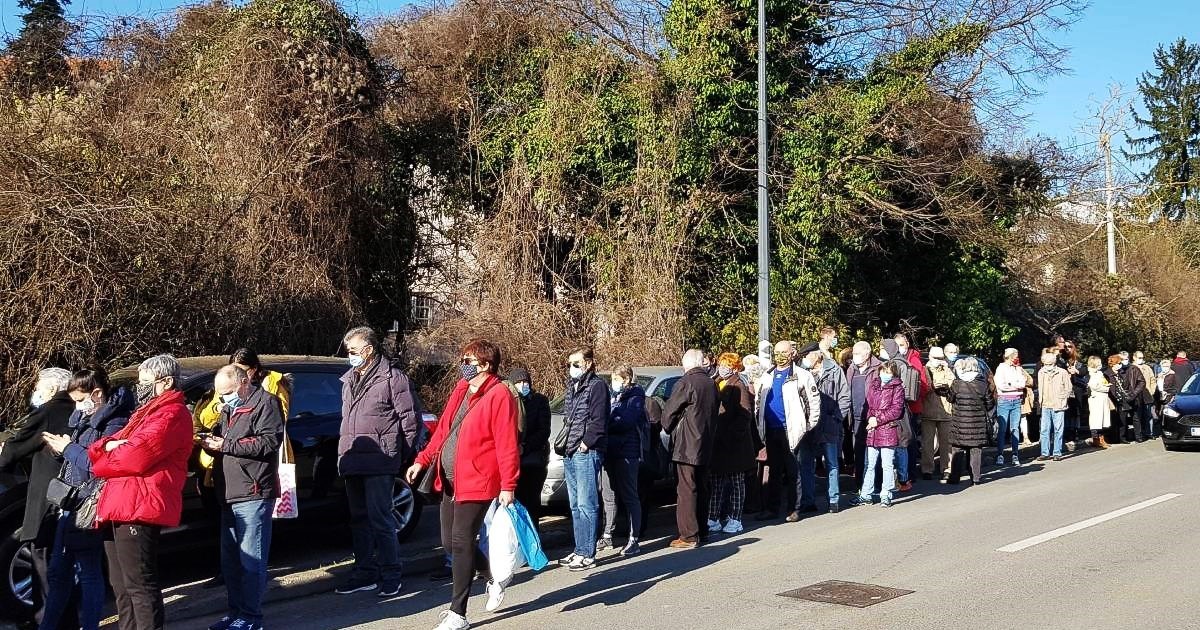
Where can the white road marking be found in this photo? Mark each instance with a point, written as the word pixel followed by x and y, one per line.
pixel 1095 520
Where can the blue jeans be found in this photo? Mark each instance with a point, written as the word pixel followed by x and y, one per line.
pixel 1055 418
pixel 81 558
pixel 809 451
pixel 902 463
pixel 245 541
pixel 582 472
pixel 1008 414
pixel 879 457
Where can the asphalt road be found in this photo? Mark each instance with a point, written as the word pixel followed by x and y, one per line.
pixel 1138 569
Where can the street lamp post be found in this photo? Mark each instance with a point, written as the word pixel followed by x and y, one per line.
pixel 764 217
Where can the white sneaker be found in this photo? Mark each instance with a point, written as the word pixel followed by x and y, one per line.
pixel 495 593
pixel 451 620
pixel 713 525
pixel 732 527
pixel 999 460
pixel 568 560
pixel 1016 461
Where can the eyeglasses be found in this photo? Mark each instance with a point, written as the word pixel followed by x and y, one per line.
pixel 579 364
pixel 470 361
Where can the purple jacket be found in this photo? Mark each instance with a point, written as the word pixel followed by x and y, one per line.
pixel 379 421
pixel 886 404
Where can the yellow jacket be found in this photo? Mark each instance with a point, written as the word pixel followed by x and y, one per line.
pixel 208 413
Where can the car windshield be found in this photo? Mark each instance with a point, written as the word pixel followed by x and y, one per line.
pixel 1192 388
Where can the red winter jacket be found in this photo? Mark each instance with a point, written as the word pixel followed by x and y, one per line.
pixel 487 460
pixel 145 476
pixel 914 361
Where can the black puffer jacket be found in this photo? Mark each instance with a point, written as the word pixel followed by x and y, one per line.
pixel 972 402
pixel 587 408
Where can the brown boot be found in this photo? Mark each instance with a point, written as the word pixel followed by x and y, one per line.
pixel 1103 442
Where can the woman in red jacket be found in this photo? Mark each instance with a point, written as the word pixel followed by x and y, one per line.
pixel 474 454
pixel 144 466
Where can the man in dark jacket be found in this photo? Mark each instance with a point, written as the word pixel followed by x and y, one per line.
pixel 690 417
pixel 1183 370
pixel 826 440
pixel 246 441
pixel 380 423
pixel 23 443
pixel 586 421
pixel 1135 383
pixel 535 442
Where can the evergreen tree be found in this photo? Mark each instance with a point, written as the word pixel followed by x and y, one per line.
pixel 39 52
pixel 1172 101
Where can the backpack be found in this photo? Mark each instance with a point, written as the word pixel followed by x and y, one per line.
pixel 910 378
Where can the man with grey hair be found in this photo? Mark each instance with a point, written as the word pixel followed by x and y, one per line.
pixel 245 441
pixel 690 417
pixel 51 410
pixel 378 437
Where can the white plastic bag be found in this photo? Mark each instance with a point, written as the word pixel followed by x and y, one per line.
pixel 288 504
pixel 501 545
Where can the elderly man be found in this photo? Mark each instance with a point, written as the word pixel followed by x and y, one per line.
pixel 690 418
pixel 378 433
pixel 51 410
pixel 787 404
pixel 246 442
pixel 826 439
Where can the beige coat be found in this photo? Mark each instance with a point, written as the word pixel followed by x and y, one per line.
pixel 937 408
pixel 1151 379
pixel 1098 403
pixel 1054 387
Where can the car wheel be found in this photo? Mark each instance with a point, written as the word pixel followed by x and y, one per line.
pixel 16 596
pixel 406 505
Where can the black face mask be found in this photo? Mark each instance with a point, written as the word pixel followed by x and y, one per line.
pixel 145 392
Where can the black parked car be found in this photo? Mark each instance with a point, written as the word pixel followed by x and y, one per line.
pixel 314 419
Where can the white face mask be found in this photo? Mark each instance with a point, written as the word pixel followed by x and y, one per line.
pixel 968 376
pixel 618 385
pixel 1139 361
pixel 859 361
pixel 576 372
pixel 86 406
pixel 903 350
pixel 38 398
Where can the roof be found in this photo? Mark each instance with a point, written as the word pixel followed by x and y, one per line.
pixel 194 366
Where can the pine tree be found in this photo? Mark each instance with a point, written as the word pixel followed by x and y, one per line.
pixel 1172 101
pixel 39 52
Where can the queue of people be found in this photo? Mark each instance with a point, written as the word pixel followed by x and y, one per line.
pixel 109 463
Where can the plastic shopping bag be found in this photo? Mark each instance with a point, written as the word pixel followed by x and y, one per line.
pixel 527 537
pixel 500 544
pixel 287 505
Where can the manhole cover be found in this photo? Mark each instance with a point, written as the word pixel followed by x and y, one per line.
pixel 846 593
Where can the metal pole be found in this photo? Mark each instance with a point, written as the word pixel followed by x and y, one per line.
pixel 1106 144
pixel 764 217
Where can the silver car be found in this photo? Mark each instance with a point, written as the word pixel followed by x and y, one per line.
pixel 658 381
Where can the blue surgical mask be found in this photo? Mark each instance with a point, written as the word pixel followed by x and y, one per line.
pixel 231 400
pixel 355 361
pixel 833 342
pixel 523 389
pixel 951 358
pixel 885 378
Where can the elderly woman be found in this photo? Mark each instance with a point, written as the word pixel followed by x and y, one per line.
pixel 735 447
pixel 1098 402
pixel 474 455
pixel 144 466
pixel 971 397
pixel 78 553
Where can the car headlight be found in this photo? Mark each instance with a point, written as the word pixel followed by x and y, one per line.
pixel 1170 412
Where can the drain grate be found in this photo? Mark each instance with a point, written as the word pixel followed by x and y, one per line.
pixel 846 593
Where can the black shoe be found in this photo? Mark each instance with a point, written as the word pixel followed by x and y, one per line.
pixel 356 585
pixel 440 574
pixel 808 509
pixel 389 589
pixel 927 476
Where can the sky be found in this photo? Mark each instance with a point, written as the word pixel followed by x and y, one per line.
pixel 1114 42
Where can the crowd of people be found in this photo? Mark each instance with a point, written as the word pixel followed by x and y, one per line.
pixel 742 434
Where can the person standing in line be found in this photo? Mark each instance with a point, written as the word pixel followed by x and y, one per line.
pixel 475 458
pixel 735 447
pixel 1099 403
pixel 1010 388
pixel 535 443
pixel 586 409
pixel 864 369
pixel 825 440
pixel 380 424
pixel 1077 411
pixel 885 408
pixel 1167 388
pixel 51 409
pixel 1054 389
pixel 1144 406
pixel 690 417
pixel 938 417
pixel 144 466
pixel 971 396
pixel 246 442
pixel 787 405
pixel 912 359
pixel 78 554
pixel 1118 393
pixel 628 437
pixel 1183 369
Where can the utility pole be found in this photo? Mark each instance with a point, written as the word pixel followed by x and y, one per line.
pixel 1106 146
pixel 764 215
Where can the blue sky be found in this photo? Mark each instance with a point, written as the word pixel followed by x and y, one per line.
pixel 1114 42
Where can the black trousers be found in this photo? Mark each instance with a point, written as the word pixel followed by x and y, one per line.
pixel 963 457
pixel 133 572
pixel 460 524
pixel 691 508
pixel 529 491
pixel 781 478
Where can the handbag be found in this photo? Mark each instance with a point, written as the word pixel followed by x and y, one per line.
pixel 61 494
pixel 85 514
pixel 288 504
pixel 424 486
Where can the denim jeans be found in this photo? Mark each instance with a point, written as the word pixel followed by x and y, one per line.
pixel 1055 418
pixel 373 528
pixel 82 558
pixel 879 457
pixel 582 472
pixel 809 451
pixel 902 463
pixel 1008 414
pixel 245 543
